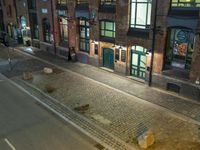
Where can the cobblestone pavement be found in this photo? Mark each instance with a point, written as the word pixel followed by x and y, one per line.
pixel 171 102
pixel 122 115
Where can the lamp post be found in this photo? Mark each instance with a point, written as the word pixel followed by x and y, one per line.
pixel 153 43
pixel 53 26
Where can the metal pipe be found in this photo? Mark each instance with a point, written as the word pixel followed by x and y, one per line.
pixel 53 26
pixel 153 43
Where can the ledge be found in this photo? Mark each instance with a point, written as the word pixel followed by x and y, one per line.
pixel 140 33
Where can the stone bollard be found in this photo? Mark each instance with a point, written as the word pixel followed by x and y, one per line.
pixel 48 70
pixel 27 76
pixel 146 139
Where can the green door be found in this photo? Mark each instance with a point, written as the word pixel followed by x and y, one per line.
pixel 108 58
pixel 138 64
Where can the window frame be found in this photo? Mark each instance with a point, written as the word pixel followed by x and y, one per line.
pixel 86 39
pixel 108 30
pixel 184 4
pixel 139 26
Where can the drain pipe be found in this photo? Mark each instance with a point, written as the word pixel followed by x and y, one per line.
pixel 153 44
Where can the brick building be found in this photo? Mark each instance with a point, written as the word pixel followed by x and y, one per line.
pixel 118 35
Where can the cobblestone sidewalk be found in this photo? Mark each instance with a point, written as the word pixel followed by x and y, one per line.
pixel 171 102
pixel 123 116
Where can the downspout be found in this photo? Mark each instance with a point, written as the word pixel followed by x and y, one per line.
pixel 153 44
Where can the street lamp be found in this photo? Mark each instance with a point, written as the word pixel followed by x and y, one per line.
pixel 153 43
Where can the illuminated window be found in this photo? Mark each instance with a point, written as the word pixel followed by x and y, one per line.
pixel 185 3
pixel 180 48
pixel 61 2
pixel 84 35
pixel 108 29
pixel 108 2
pixel 140 13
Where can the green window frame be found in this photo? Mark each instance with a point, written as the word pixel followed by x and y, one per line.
pixel 84 35
pixel 185 3
pixel 107 29
pixel 46 30
pixel 140 16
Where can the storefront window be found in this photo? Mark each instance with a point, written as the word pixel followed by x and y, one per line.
pixel 180 49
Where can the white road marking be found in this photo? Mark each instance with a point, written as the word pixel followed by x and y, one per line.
pixel 9 144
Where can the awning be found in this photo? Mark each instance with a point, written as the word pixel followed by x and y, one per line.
pixel 190 23
pixel 82 14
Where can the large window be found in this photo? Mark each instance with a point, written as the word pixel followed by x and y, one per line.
pixel 180 48
pixel 31 4
pixel 108 2
pixel 185 3
pixel 107 29
pixel 61 2
pixel 140 13
pixel 34 25
pixel 46 30
pixel 82 2
pixel 84 35
pixel 63 30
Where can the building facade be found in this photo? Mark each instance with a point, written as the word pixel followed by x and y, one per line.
pixel 120 35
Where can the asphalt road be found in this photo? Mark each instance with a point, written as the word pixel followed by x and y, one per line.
pixel 25 125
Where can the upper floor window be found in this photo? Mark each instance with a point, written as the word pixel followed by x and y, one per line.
pixel 61 2
pixel 140 14
pixel 31 4
pixel 108 2
pixel 82 2
pixel 9 11
pixel 107 29
pixel 46 30
pixel 185 3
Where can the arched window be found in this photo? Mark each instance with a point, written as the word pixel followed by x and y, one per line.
pixel 138 61
pixel 46 30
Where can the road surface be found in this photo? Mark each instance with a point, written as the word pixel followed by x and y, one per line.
pixel 25 125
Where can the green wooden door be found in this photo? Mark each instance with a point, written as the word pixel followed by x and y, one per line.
pixel 108 58
pixel 138 64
